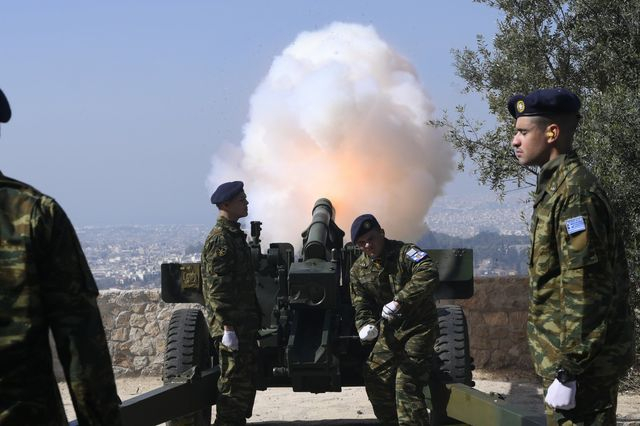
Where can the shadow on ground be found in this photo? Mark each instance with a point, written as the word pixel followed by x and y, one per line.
pixel 345 422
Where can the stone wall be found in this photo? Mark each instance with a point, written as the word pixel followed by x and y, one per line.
pixel 136 323
pixel 497 320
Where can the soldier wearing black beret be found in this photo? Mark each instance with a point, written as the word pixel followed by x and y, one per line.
pixel 46 286
pixel 229 290
pixel 580 327
pixel 394 282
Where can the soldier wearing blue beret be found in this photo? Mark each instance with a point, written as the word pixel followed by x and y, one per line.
pixel 229 290
pixel 46 286
pixel 226 192
pixel 580 327
pixel 363 224
pixel 545 102
pixel 394 281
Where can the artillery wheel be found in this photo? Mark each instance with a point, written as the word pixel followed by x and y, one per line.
pixel 187 346
pixel 453 361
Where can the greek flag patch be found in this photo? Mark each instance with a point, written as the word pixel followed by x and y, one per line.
pixel 575 224
pixel 416 255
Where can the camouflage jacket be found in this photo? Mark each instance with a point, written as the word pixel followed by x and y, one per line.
pixel 401 274
pixel 229 284
pixel 46 284
pixel 579 314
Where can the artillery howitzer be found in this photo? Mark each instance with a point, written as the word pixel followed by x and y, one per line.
pixel 308 339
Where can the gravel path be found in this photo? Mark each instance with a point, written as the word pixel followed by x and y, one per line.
pixel 281 406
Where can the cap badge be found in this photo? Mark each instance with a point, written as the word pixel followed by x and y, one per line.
pixel 520 106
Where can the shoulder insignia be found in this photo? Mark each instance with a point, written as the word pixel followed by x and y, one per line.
pixel 575 224
pixel 415 254
pixel 221 251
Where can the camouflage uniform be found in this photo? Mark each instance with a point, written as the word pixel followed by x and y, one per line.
pixel 230 296
pixel 46 284
pixel 579 314
pixel 399 365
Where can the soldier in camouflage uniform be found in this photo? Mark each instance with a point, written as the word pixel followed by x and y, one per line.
pixel 580 324
pixel 230 296
pixel 392 286
pixel 46 284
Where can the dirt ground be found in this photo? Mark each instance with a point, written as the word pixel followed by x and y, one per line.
pixel 281 406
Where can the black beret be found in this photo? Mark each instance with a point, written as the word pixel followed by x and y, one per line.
pixel 363 224
pixel 546 102
pixel 226 191
pixel 5 109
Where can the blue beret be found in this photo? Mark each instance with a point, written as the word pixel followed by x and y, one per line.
pixel 5 109
pixel 363 224
pixel 226 191
pixel 546 102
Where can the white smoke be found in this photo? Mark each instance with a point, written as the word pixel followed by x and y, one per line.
pixel 340 115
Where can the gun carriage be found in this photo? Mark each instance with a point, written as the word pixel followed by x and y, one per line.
pixel 308 340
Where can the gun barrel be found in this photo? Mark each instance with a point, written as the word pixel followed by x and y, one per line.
pixel 322 214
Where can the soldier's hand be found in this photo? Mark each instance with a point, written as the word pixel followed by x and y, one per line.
pixel 562 396
pixel 230 340
pixel 368 332
pixel 390 310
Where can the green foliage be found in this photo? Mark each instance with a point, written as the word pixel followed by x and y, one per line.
pixel 591 47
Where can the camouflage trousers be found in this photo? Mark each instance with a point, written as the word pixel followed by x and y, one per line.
pixel 596 403
pixel 395 375
pixel 236 385
pixel 25 404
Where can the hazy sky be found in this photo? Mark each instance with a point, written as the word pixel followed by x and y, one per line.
pixel 120 106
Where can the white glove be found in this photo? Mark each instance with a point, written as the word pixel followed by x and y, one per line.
pixel 368 332
pixel 230 340
pixel 561 396
pixel 390 310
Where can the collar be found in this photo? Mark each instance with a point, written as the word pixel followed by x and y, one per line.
pixel 553 174
pixel 231 225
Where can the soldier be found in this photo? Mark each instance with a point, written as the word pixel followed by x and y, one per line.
pixel 46 284
pixel 230 296
pixel 580 326
pixel 395 282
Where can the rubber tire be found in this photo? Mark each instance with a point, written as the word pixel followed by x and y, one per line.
pixel 188 345
pixel 452 359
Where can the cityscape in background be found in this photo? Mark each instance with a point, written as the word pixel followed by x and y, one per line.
pixel 129 256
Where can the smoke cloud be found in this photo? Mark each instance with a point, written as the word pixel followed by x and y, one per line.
pixel 340 115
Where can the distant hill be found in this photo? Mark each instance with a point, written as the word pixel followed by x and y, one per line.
pixel 493 253
pixel 130 256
